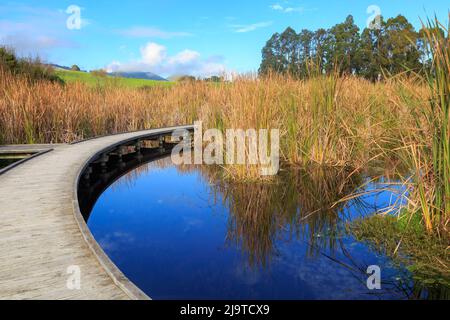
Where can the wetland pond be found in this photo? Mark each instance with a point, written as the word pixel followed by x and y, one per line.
pixel 180 232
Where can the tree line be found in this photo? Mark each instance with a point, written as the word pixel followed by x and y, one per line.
pixel 392 48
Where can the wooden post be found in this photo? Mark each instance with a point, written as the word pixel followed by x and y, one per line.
pixel 138 146
pixel 162 147
pixel 104 161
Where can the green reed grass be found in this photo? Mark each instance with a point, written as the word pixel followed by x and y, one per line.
pixel 428 144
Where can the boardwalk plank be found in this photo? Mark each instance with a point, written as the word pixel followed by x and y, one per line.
pixel 39 235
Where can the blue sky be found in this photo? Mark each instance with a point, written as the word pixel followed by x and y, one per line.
pixel 177 37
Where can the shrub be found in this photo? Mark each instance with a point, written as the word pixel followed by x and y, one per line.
pixel 99 73
pixel 32 69
pixel 187 79
pixel 8 59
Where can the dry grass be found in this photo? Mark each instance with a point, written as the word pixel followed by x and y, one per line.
pixel 325 121
pixel 426 145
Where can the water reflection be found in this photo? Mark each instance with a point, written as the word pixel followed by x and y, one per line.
pixel 299 203
pixel 184 232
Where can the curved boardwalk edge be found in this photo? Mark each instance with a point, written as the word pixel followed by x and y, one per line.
pixel 35 152
pixel 42 230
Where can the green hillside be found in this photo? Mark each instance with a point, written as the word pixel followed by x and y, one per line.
pixel 93 80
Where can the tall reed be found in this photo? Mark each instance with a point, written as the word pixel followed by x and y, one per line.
pixel 439 81
pixel 327 120
pixel 427 145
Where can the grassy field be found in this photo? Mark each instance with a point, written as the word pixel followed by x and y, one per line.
pixel 93 80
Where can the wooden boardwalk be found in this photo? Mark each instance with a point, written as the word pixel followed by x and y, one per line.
pixel 26 148
pixel 41 232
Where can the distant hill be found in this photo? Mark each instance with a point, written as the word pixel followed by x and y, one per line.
pixel 93 80
pixel 59 67
pixel 138 75
pixel 129 75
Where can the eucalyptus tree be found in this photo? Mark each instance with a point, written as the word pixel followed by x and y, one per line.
pixel 393 47
pixel 343 45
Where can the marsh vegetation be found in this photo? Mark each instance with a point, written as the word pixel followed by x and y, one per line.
pixel 330 119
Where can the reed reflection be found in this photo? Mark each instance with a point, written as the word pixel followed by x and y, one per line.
pixel 297 205
pixel 296 217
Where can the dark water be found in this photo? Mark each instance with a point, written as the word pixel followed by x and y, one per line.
pixel 183 233
pixel 6 162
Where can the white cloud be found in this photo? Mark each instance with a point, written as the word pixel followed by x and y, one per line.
pixel 185 57
pixel 278 7
pixel 28 40
pixel 153 54
pixel 154 58
pixel 150 32
pixel 239 28
pixel 35 31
